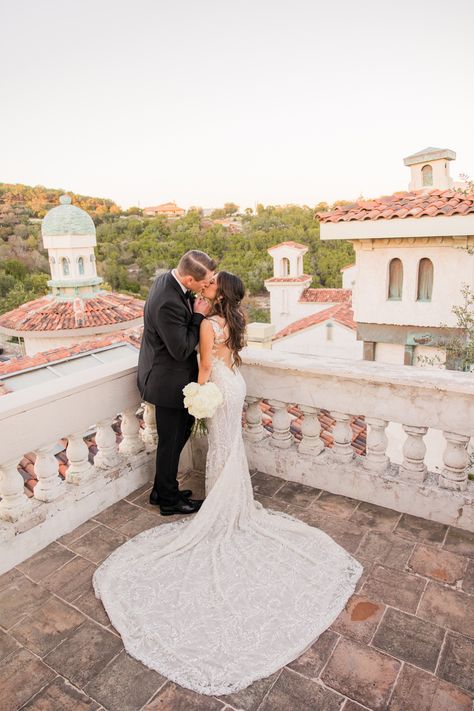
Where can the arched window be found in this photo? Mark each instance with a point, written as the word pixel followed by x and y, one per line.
pixel 329 331
pixel 427 174
pixel 425 280
pixel 80 265
pixel 285 267
pixel 65 266
pixel 395 279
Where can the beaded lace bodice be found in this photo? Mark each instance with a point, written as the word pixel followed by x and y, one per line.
pixel 219 349
pixel 219 600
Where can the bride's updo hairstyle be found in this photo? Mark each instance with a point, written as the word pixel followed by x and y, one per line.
pixel 229 294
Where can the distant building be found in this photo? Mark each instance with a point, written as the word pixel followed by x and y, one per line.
pixel 412 259
pixel 77 309
pixel 307 320
pixel 167 209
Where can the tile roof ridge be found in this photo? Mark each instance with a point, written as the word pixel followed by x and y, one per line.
pixel 343 309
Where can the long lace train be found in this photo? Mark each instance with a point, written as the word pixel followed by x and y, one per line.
pixel 229 596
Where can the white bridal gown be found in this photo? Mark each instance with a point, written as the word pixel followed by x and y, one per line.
pixel 233 593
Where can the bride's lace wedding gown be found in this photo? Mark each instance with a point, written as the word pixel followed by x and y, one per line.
pixel 219 600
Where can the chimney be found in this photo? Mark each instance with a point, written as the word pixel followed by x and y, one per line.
pixel 79 315
pixel 430 169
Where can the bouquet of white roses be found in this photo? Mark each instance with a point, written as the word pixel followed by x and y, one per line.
pixel 201 401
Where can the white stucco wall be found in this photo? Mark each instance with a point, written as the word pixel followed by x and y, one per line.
pixel 452 266
pixel 72 255
pixel 441 178
pixel 284 306
pixel 313 341
pixel 349 277
pixel 38 345
pixel 436 356
pixel 392 353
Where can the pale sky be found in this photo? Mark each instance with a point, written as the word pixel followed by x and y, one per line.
pixel 207 101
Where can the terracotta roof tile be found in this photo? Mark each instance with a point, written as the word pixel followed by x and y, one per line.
pixel 16 365
pixel 342 313
pixel 326 296
pixel 418 203
pixel 50 314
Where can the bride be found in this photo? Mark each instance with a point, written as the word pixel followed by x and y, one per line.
pixel 236 592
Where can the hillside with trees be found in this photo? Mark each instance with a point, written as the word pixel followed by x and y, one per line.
pixel 131 248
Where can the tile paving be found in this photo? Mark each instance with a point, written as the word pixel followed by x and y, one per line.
pixel 405 641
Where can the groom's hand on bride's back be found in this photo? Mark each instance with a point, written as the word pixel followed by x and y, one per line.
pixel 201 306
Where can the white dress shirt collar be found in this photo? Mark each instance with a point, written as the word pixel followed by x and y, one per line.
pixel 173 272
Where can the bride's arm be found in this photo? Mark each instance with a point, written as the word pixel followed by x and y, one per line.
pixel 206 342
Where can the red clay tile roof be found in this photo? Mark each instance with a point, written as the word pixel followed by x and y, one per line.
pixel 418 203
pixel 326 296
pixel 50 314
pixel 297 245
pixel 289 280
pixel 16 365
pixel 342 313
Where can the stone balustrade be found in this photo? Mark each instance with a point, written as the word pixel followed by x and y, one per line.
pixel 418 402
pixel 35 419
pixel 412 399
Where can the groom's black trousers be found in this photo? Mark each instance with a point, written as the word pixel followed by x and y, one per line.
pixel 174 427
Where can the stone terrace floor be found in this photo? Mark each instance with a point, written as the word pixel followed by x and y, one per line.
pixel 404 642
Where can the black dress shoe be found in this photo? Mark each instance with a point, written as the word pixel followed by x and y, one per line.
pixel 155 499
pixel 183 506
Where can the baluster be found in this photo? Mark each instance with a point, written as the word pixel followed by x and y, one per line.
pixel 413 467
pixel 14 503
pixel 311 442
pixel 131 442
pixel 281 436
pixel 49 485
pixel 80 469
pixel 254 431
pixel 376 459
pixel 456 460
pixel 342 433
pixel 107 456
pixel 149 433
pixel 470 454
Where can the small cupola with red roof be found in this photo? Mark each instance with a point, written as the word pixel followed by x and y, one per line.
pixel 430 169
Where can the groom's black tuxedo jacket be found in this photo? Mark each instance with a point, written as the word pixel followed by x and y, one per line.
pixel 168 358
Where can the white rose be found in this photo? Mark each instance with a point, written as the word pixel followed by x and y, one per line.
pixel 191 389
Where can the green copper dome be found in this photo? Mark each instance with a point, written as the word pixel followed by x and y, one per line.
pixel 67 219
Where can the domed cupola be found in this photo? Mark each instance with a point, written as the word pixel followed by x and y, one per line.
pixel 67 219
pixel 69 236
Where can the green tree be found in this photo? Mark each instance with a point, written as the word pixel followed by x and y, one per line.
pixel 230 208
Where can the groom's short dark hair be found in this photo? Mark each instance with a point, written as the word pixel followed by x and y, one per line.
pixel 196 264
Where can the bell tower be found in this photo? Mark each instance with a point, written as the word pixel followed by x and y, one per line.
pixel 288 281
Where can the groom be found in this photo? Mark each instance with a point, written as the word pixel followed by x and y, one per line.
pixel 168 362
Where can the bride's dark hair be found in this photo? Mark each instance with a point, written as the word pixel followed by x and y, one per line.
pixel 229 294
